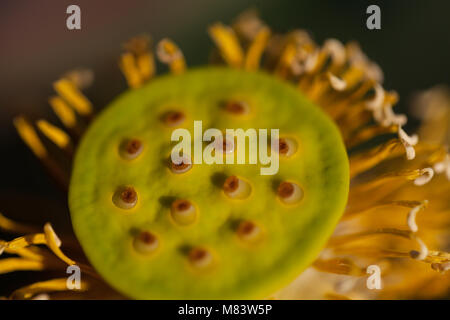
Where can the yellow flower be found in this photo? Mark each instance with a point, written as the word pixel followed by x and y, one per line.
pixel 398 210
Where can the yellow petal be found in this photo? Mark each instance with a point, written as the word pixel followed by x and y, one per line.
pixel 228 44
pixel 55 134
pixel 168 52
pixel 69 92
pixel 19 264
pixel 256 49
pixel 29 136
pixel 130 70
pixel 53 285
pixel 53 243
pixel 63 111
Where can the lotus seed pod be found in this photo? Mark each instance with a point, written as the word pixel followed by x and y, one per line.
pixel 227 230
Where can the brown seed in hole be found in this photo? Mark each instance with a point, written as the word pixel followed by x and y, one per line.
pixel 285 190
pixel 236 107
pixel 226 147
pixel 231 184
pixel 146 242
pixel 200 257
pixel 287 147
pixel 133 146
pixel 181 205
pixel 147 237
pixel 183 212
pixel 125 197
pixel 173 118
pixel 248 231
pixel 246 227
pixel 283 146
pixel 181 167
pixel 130 149
pixel 290 192
pixel 128 195
pixel 236 188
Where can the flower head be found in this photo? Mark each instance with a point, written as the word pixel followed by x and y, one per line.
pixel 396 215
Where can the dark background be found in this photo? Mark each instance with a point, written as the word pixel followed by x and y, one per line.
pixel 413 49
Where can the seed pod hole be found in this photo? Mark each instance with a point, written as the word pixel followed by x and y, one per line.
pixel 173 118
pixel 225 145
pixel 248 231
pixel 130 149
pixel 237 107
pixel 183 166
pixel 125 197
pixel 289 192
pixel 287 147
pixel 236 188
pixel 146 242
pixel 183 212
pixel 200 258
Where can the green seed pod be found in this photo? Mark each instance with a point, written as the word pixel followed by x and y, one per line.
pixel 228 244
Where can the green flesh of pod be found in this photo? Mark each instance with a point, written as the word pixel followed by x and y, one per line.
pixel 292 235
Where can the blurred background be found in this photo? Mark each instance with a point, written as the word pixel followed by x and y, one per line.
pixel 412 48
